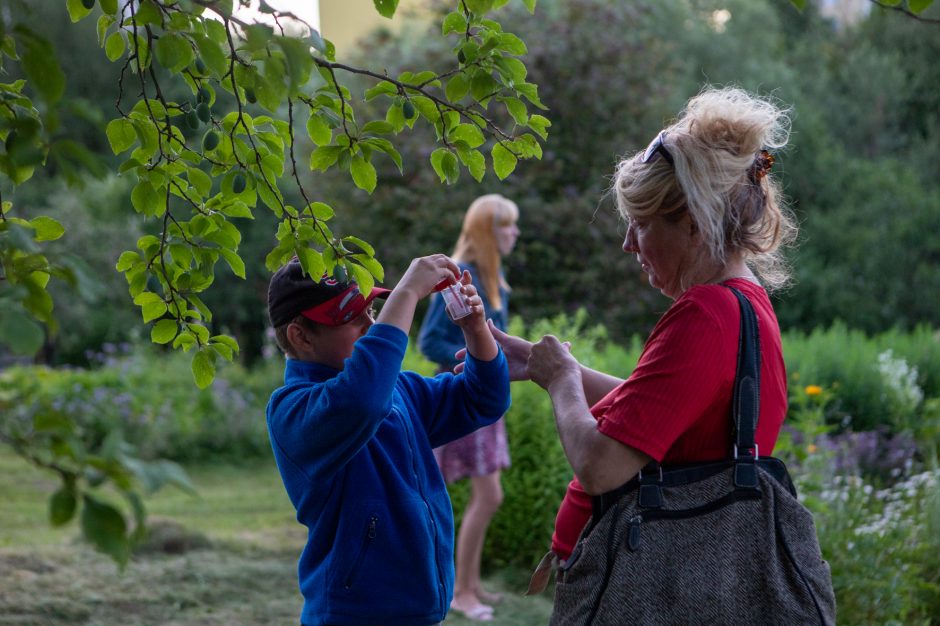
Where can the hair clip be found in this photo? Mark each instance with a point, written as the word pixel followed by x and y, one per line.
pixel 762 164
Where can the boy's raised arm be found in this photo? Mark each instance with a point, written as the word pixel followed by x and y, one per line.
pixel 419 280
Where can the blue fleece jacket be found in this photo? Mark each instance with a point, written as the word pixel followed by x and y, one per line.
pixel 354 450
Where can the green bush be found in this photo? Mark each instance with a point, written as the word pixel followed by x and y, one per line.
pixel 867 395
pixel 149 396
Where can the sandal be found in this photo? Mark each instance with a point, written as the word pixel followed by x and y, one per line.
pixel 476 613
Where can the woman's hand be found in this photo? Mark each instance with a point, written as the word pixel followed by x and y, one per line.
pixel 549 360
pixel 515 348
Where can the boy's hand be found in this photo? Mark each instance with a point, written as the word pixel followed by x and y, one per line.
pixel 419 280
pixel 480 342
pixel 427 272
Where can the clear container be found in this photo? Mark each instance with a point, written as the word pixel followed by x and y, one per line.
pixel 454 302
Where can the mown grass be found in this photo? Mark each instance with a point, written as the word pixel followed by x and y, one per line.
pixel 224 557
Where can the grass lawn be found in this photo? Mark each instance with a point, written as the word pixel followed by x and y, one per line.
pixel 226 557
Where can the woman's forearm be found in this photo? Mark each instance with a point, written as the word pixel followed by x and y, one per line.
pixel 597 384
pixel 600 462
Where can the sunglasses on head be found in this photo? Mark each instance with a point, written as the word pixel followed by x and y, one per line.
pixel 657 147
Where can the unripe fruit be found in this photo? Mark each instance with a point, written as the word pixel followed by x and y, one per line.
pixel 203 95
pixel 192 120
pixel 461 57
pixel 250 96
pixel 210 141
pixel 408 110
pixel 88 4
pixel 238 184
pixel 203 112
pixel 339 273
pixel 200 66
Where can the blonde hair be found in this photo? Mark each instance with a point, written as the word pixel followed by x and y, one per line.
pixel 477 242
pixel 715 144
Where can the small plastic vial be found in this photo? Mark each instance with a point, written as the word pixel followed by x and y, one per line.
pixel 454 302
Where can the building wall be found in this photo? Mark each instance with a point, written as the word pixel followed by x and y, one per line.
pixel 345 21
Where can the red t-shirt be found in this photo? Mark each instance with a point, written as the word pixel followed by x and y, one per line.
pixel 676 405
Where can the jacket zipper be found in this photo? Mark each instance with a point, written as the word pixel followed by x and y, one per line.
pixel 367 542
pixel 412 444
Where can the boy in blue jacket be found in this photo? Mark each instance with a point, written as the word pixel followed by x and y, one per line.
pixel 352 435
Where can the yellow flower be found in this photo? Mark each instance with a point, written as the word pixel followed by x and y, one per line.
pixel 813 390
pixel 811 448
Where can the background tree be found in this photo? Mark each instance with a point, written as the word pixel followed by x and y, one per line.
pixel 209 108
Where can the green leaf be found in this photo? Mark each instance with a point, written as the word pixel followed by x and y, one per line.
pixel 311 261
pixel 77 10
pixel 320 210
pixel 363 173
pixel 63 504
pixel 383 88
pixel 104 527
pixel 799 4
pixel 378 127
pixel 457 87
pixel 145 199
pixel 386 8
pixel 47 229
pixel 363 278
pixel 529 4
pixel 164 331
pixel 20 333
pixel 454 22
pixel 504 161
pixel 114 46
pixel 479 7
pixel 173 52
pixel 234 261
pixel 318 130
pixel 530 92
pixel 362 245
pixel 126 261
pixel 200 180
pixel 324 157
pixel 121 135
pixel 203 368
pixel 475 162
pixel 444 163
pixel 539 124
pixel 469 133
pixel 153 310
pixel 211 53
pixel 511 44
pixel 437 162
pixel 918 6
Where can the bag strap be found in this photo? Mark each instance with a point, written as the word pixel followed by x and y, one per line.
pixel 745 410
pixel 745 403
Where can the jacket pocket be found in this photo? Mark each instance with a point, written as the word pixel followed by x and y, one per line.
pixel 367 541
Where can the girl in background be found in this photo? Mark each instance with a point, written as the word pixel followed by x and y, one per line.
pixel 489 233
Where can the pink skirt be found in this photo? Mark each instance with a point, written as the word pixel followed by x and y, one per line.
pixel 482 452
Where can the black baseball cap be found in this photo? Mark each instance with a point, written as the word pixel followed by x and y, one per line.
pixel 327 301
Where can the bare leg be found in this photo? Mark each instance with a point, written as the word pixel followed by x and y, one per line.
pixel 486 495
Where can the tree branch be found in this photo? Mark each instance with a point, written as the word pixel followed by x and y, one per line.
pixel 902 8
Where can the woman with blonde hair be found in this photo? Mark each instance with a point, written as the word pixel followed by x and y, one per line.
pixel 645 534
pixel 489 233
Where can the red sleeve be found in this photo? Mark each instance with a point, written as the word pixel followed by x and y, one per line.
pixel 683 370
pixel 573 515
